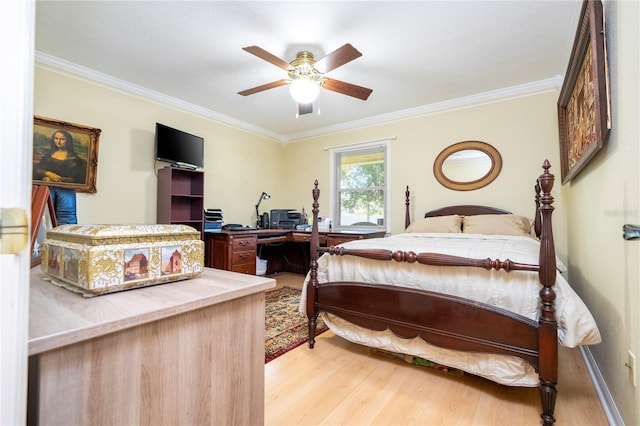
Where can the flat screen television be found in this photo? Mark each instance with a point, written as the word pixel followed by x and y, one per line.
pixel 179 148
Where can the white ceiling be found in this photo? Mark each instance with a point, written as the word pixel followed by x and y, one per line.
pixel 416 55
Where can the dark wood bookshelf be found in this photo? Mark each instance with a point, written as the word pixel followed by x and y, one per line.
pixel 181 197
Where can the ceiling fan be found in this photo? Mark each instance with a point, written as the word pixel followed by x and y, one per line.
pixel 307 76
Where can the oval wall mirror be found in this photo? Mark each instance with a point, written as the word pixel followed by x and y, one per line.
pixel 467 165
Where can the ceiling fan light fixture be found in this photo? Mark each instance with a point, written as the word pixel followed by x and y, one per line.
pixel 305 80
pixel 304 90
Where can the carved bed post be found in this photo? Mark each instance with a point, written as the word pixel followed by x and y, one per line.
pixel 537 221
pixel 312 314
pixel 407 216
pixel 548 335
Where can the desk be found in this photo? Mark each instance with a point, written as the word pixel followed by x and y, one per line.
pixel 284 249
pixel 188 352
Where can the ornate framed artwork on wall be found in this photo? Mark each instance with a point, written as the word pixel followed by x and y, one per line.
pixel 584 116
pixel 65 154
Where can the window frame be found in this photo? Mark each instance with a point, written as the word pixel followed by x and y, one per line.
pixel 334 191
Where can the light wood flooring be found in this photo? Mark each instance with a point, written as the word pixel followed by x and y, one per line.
pixel 339 382
pixel 287 279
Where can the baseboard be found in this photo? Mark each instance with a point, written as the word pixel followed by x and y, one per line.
pixel 608 404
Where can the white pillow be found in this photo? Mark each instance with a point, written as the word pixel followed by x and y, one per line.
pixel 496 224
pixel 437 224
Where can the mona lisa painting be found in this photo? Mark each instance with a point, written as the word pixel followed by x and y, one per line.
pixel 65 154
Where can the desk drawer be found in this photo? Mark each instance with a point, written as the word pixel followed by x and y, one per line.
pixel 245 268
pixel 335 240
pixel 239 257
pixel 244 243
pixel 300 237
pixel 305 237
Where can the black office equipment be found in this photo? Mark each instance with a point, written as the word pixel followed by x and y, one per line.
pixel 237 227
pixel 285 218
pixel 264 222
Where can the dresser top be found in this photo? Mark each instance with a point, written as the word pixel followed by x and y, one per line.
pixel 60 317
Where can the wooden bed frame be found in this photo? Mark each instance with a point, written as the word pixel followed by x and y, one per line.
pixel 448 321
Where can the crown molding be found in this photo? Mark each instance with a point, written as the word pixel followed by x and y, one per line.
pixel 70 69
pixel 527 89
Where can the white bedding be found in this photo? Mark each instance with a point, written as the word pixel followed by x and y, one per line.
pixel 516 291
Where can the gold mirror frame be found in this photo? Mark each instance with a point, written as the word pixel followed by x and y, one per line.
pixel 494 171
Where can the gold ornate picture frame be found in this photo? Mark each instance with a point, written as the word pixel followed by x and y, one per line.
pixel 65 154
pixel 584 117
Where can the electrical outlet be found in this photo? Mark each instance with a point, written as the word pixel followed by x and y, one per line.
pixel 631 365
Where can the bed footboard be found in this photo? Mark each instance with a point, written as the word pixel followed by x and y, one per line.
pixel 448 321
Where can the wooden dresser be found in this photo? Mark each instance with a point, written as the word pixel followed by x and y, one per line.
pixel 284 249
pixel 187 352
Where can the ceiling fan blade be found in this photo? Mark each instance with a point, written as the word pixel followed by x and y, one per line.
pixel 337 58
pixel 267 86
pixel 263 54
pixel 305 108
pixel 347 88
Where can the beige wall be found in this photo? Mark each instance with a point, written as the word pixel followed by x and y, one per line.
pixel 604 269
pixel 239 165
pixel 523 130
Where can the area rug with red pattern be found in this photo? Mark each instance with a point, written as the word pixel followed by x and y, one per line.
pixel 285 327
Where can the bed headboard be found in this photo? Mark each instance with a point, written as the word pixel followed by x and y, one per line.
pixel 465 210
pixel 462 210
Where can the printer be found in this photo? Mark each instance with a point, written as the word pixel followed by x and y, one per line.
pixel 285 219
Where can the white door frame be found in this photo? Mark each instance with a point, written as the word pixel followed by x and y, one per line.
pixel 17 31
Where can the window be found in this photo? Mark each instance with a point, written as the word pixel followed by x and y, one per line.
pixel 359 186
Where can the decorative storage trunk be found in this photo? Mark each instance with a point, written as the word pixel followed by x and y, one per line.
pixel 105 258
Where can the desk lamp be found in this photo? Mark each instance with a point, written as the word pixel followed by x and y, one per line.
pixel 263 196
